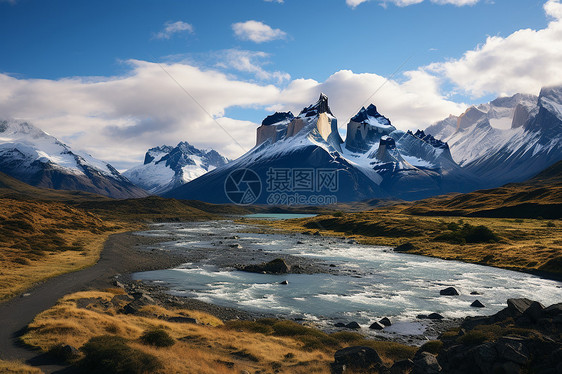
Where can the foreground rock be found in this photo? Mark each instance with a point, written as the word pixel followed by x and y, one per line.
pixel 524 337
pixel 277 266
pixel 355 359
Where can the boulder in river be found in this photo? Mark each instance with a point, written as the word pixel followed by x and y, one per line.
pixel 385 322
pixel 477 304
pixel 277 266
pixel 449 291
pixel 353 325
pixel 376 326
pixel 285 282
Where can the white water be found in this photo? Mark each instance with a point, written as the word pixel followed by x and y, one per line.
pixel 374 281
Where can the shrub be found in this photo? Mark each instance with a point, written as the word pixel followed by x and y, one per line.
pixel 158 338
pixel 432 346
pixel 347 336
pixel 111 355
pixel 337 214
pixel 468 234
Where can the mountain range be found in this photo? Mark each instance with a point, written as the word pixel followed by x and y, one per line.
pixel 299 160
pixel 303 160
pixel 39 159
pixel 507 140
pixel 166 167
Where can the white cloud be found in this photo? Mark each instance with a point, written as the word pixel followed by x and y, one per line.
pixel 275 1
pixel 403 3
pixel 553 8
pixel 257 32
pixel 252 62
pixel 118 118
pixel 171 28
pixel 524 61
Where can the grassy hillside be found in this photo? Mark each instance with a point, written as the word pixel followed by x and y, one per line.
pixel 44 233
pixel 210 346
pixel 538 197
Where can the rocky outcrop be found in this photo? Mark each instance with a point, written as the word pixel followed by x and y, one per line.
pixel 356 358
pixel 524 337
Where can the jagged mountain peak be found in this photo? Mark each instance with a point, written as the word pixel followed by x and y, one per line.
pixel 321 106
pixel 277 117
pixel 365 115
pixel 166 167
pixel 39 159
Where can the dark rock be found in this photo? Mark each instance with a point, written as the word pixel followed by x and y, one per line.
pixel 277 266
pixel 339 324
pixel 353 325
pixel 475 293
pixel 477 304
pixel 534 312
pixel 238 246
pixel 426 363
pixel 355 358
pixel 317 233
pixel 332 265
pixel 449 291
pixel 376 326
pixel 553 310
pixel 402 367
pixel 299 242
pixel 519 305
pixel 385 322
pixel 285 282
pixel 136 305
pixel 421 316
pixel 435 316
pixel 352 242
pixel 512 349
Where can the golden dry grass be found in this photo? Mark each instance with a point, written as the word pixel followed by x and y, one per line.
pixel 207 347
pixel 40 240
pixel 15 367
pixel 525 244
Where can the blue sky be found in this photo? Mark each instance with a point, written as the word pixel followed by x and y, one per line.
pixel 270 55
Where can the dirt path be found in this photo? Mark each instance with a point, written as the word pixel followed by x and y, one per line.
pixel 119 256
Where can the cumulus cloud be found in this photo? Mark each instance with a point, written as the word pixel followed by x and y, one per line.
pixel 172 28
pixel 257 32
pixel 275 1
pixel 524 61
pixel 118 118
pixel 403 3
pixel 252 62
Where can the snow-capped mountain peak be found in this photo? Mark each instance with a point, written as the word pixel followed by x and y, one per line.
pixel 37 158
pixel 166 167
pixel 508 139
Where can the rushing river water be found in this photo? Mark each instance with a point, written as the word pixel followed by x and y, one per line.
pixel 373 281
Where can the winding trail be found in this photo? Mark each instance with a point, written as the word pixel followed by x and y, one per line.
pixel 118 257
